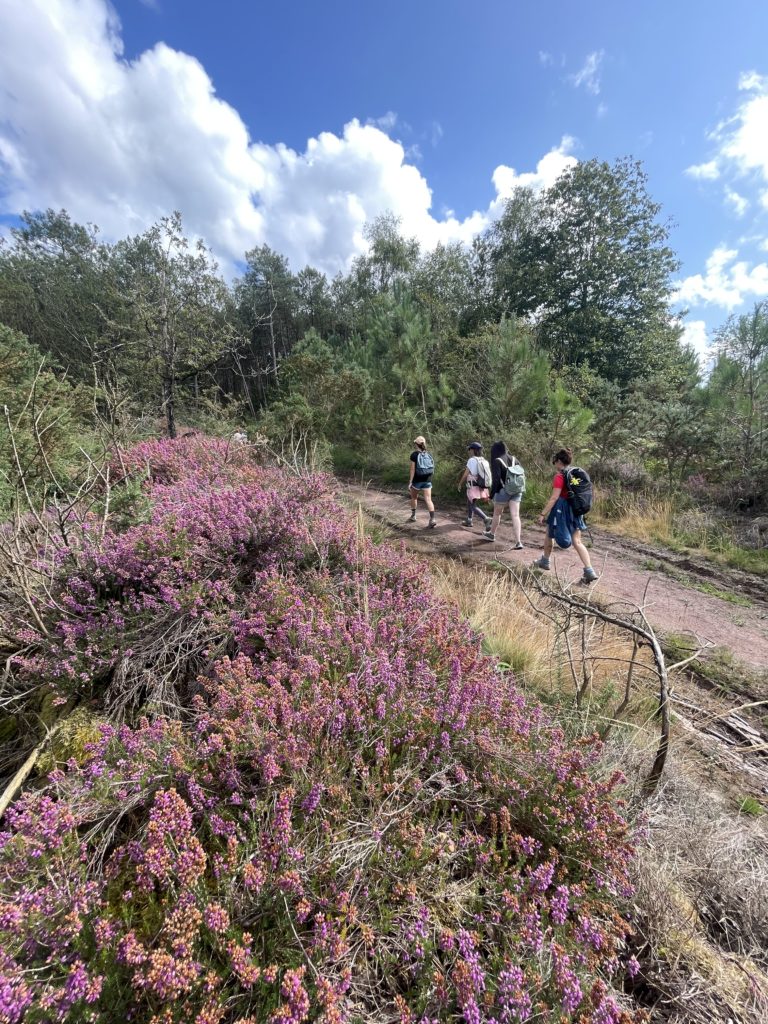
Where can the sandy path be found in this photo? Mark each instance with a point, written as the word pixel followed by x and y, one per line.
pixel 671 606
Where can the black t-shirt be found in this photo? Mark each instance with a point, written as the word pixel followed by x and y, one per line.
pixel 419 478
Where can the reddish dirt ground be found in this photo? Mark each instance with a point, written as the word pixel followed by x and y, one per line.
pixel 671 606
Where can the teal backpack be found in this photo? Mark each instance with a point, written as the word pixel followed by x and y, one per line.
pixel 514 478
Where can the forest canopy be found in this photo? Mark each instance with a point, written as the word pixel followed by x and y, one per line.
pixel 554 325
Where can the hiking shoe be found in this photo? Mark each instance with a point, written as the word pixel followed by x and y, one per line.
pixel 518 547
pixel 411 518
pixel 467 524
pixel 589 576
pixel 431 524
pixel 489 536
pixel 541 563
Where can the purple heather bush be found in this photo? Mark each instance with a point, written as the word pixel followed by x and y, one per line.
pixel 351 815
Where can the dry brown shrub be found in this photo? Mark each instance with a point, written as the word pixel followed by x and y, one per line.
pixel 702 908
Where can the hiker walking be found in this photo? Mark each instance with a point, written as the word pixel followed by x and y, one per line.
pixel 564 522
pixel 507 489
pixel 477 476
pixel 422 467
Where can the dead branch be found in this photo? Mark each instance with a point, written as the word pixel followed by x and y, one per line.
pixel 643 635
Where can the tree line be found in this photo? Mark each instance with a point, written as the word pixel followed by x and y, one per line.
pixel 554 324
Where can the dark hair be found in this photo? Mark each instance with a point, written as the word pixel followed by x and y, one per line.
pixel 498 449
pixel 423 448
pixel 564 455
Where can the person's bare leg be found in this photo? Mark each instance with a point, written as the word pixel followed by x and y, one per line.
pixel 580 549
pixel 427 496
pixel 543 562
pixel 514 512
pixel 497 510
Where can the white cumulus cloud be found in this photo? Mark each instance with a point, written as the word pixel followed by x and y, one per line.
pixel 695 335
pixel 727 282
pixel 741 141
pixel 738 160
pixel 745 138
pixel 548 170
pixel 122 143
pixel 737 202
pixel 709 170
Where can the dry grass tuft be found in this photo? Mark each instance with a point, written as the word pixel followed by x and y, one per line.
pixel 702 902
pixel 494 605
pixel 644 519
pixel 543 658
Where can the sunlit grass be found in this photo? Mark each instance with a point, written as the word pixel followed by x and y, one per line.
pixel 543 659
pixel 695 530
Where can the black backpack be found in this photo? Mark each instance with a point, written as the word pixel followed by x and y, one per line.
pixel 579 490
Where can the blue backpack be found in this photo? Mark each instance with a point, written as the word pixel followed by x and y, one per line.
pixel 425 464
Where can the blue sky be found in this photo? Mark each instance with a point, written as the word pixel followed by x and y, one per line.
pixel 295 123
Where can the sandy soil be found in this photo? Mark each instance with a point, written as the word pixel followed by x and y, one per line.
pixel 671 606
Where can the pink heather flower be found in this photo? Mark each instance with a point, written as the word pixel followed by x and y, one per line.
pixel 15 995
pixel 558 904
pixel 216 918
pixel 295 1008
pixel 312 799
pixel 326 705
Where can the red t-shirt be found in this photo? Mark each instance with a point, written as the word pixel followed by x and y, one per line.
pixel 559 481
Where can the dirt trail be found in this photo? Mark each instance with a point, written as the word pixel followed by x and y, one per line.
pixel 671 606
pixel 729 740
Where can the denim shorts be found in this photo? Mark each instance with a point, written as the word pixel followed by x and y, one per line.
pixel 422 485
pixel 502 498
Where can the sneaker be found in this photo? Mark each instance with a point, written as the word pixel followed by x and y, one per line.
pixel 411 518
pixel 489 536
pixel 541 563
pixel 467 524
pixel 431 524
pixel 518 547
pixel 488 527
pixel 589 576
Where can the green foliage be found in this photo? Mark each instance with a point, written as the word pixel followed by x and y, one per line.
pixel 54 284
pixel 737 393
pixel 606 271
pixel 752 807
pixel 552 328
pixel 42 423
pixel 321 395
pixel 175 309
